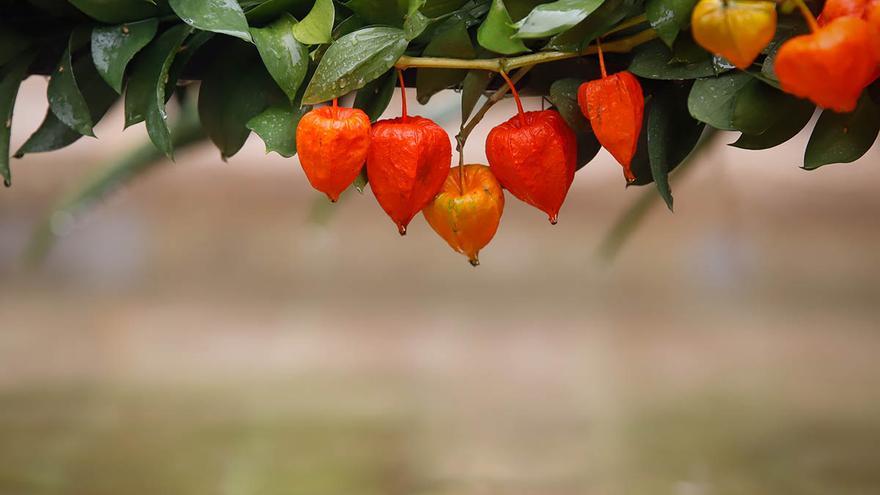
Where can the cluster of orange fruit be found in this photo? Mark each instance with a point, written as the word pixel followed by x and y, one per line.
pixel 533 155
pixel 830 66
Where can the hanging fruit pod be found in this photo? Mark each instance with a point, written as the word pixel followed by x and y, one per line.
pixel 533 155
pixel 615 107
pixel 841 8
pixel 738 30
pixel 332 144
pixel 467 211
pixel 830 66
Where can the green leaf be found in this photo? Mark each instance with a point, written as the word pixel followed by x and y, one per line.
pixel 555 17
pixel 415 22
pixel 219 16
pixel 374 98
pixel 652 61
pixel 149 71
pixel 114 46
pixel 54 134
pixel 781 130
pixel 11 76
pixel 317 27
pixel 472 88
pixel 600 21
pixel 454 42
pixel 563 95
pixel 11 44
pixel 286 58
pixel 668 17
pixel 383 12
pixel 65 98
pixel 496 32
pixel 672 135
pixel 843 137
pixel 713 100
pixel 276 126
pixel 759 107
pixel 361 181
pixel 116 11
pixel 271 9
pixel 353 61
pixel 235 90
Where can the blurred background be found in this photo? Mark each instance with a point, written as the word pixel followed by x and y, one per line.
pixel 218 328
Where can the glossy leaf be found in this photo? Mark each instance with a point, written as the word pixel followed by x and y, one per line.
pixel 286 58
pixel 374 98
pixel 780 131
pixel 116 11
pixel 496 33
pixel 453 42
pixel 353 61
pixel 219 16
pixel 600 21
pixel 843 137
pixel 113 47
pixel 415 22
pixel 148 72
pixel 473 86
pixel 11 76
pixel 563 95
pixel 276 126
pixel 760 106
pixel 672 135
pixel 713 100
pixel 232 93
pixel 668 17
pixel 552 18
pixel 652 61
pixel 270 10
pixel 65 98
pixel 317 25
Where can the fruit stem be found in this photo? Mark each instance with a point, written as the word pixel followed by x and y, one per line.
pixel 808 15
pixel 519 107
pixel 402 95
pixel 601 58
pixel 335 103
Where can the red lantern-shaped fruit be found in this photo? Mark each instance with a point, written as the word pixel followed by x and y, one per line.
pixel 408 161
pixel 534 155
pixel 332 144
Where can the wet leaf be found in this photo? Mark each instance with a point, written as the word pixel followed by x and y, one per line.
pixel 843 137
pixel 116 11
pixel 759 107
pixel 270 10
pixel 383 12
pixel 219 16
pixel 113 47
pixel 286 58
pixel 276 126
pixel 653 61
pixel 497 31
pixel 415 22
pixel 713 100
pixel 317 25
pixel 552 18
pixel 668 17
pixel 781 130
pixel 11 76
pixel 374 98
pixel 353 61
pixel 65 98
pixel 600 21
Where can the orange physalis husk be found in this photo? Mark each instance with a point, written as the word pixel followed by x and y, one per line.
pixel 841 8
pixel 738 30
pixel 468 209
pixel 830 66
pixel 615 107
pixel 332 144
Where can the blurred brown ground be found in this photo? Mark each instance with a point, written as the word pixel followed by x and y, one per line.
pixel 208 330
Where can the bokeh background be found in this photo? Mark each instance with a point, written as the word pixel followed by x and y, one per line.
pixel 216 328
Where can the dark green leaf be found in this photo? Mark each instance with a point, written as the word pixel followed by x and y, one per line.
pixel 277 127
pixel 286 58
pixel 784 128
pixel 383 12
pixel 271 9
pixel 555 17
pixel 672 135
pixel 65 98
pixel 149 71
pixel 473 86
pixel 11 76
pixel 652 61
pixel 353 61
pixel 843 137
pixel 235 90
pixel 606 16
pixel 760 107
pixel 563 95
pixel 497 31
pixel 11 44
pixel 713 100
pixel 116 11
pixel 361 181
pixel 374 98
pixel 317 26
pixel 114 46
pixel 219 16
pixel 668 17
pixel 453 42
pixel 415 22
pixel 186 52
